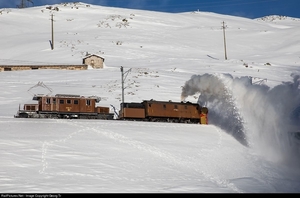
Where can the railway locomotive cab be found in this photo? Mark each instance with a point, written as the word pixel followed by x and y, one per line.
pixel 65 106
pixel 164 111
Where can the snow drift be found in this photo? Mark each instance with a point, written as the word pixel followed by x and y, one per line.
pixel 257 116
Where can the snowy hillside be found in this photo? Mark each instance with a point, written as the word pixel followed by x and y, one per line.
pixel 253 97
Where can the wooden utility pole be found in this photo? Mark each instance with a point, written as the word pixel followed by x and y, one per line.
pixel 23 3
pixel 224 27
pixel 52 41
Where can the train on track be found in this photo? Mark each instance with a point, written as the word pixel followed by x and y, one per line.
pixel 66 106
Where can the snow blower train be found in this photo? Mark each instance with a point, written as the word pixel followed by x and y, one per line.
pixel 66 106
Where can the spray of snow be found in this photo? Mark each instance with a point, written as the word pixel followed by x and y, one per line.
pixel 262 118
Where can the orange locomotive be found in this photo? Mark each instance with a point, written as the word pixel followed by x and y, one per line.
pixel 161 111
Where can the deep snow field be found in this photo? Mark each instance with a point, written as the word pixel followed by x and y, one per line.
pixel 250 145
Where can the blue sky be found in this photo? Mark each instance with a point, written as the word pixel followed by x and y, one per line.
pixel 244 8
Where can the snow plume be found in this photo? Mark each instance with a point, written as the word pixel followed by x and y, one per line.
pixel 264 119
pixel 218 98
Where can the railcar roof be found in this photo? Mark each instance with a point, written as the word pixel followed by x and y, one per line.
pixel 67 96
pixel 38 96
pixel 169 102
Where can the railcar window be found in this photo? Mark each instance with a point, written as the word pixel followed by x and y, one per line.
pixel 54 100
pixel 61 101
pixel 48 100
pixel 68 101
pixel 88 102
pixel 76 102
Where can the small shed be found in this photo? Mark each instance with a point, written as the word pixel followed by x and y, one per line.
pixel 94 60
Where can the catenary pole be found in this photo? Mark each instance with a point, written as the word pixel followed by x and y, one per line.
pixel 123 77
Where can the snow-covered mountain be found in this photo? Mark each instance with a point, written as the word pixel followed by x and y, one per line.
pixel 253 99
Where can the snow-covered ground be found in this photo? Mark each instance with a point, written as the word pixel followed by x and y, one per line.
pixel 253 99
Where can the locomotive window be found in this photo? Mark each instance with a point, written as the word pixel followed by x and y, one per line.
pixel 54 100
pixel 68 101
pixel 61 101
pixel 164 106
pixel 48 100
pixel 88 102
pixel 175 107
pixel 76 102
pixel 185 107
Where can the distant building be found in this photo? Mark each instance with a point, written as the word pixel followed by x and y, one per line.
pixel 94 61
pixel 34 67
